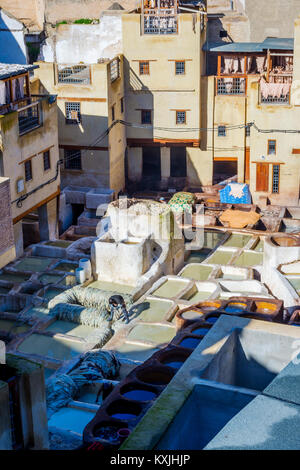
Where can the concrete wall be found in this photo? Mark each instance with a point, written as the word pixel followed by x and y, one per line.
pixel 7 246
pixel 13 49
pixel 70 10
pixel 30 12
pixel 277 19
pixel 87 43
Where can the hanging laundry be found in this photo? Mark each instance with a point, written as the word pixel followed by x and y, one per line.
pixel 2 93
pixel 261 64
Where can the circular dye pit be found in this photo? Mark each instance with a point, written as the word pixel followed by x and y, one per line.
pixel 200 331
pixel 139 395
pixel 285 241
pixel 265 307
pixel 209 306
pixel 189 342
pixel 191 314
pixel 107 433
pixel 155 376
pixel 123 410
pixel 211 319
pixel 235 307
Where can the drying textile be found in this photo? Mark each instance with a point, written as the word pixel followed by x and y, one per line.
pixel 239 219
pixel 2 93
pixel 237 190
pixel 181 202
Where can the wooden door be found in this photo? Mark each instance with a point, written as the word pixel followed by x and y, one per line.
pixel 247 165
pixel 262 177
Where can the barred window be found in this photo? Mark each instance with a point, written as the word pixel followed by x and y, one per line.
pixel 114 70
pixel 72 159
pixel 275 182
pixel 28 170
pixel 180 117
pixel 146 117
pixel 271 147
pixel 180 67
pixel 144 68
pixel 221 131
pixel 73 115
pixel 248 131
pixel 46 159
pixel 79 74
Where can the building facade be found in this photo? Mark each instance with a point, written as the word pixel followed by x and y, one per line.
pixel 29 152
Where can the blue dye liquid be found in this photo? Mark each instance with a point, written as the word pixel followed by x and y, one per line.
pixel 295 324
pixel 211 319
pixel 234 309
pixel 201 331
pixel 139 395
pixel 174 364
pixel 125 416
pixel 190 343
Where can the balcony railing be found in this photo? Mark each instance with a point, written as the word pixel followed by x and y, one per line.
pixel 274 92
pixel 231 85
pixel 162 23
pixel 30 117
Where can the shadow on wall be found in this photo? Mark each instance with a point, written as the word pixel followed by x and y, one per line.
pixel 146 172
pixel 10 50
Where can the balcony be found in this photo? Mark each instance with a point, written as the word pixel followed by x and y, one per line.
pixel 230 85
pixel 164 23
pixel 275 92
pixel 29 117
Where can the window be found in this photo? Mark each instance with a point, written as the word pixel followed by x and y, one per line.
pixel 275 181
pixel 180 67
pixel 114 70
pixel 72 159
pixel 78 74
pixel 46 158
pixel 113 113
pixel 28 171
pixel 271 147
pixel 146 116
pixel 73 115
pixel 122 105
pixel 180 117
pixel 144 68
pixel 221 131
pixel 247 131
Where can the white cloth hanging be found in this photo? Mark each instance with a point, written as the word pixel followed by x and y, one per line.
pixel 2 93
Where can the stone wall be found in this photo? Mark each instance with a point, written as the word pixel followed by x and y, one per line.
pixel 7 250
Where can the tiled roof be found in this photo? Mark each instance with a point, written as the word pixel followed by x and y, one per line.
pixel 12 70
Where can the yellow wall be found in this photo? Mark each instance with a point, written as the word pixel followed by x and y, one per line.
pixel 94 114
pixel 17 148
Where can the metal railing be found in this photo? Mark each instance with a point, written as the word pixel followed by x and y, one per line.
pixel 77 74
pixel 230 85
pixel 283 99
pixel 163 22
pixel 29 117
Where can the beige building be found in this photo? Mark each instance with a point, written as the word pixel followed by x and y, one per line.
pixel 29 153
pixel 163 63
pixel 83 94
pixel 7 243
